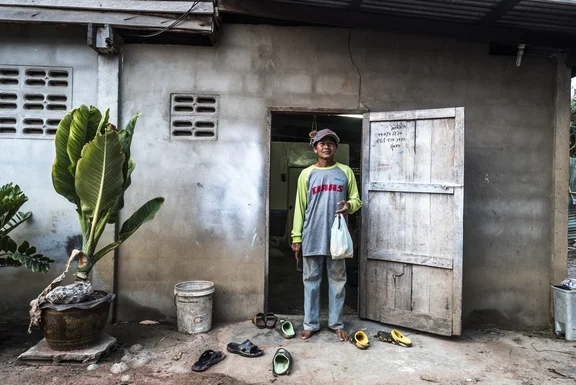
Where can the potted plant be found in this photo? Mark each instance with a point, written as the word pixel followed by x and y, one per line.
pixel 92 169
pixel 12 254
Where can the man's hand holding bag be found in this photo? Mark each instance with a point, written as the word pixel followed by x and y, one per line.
pixel 340 240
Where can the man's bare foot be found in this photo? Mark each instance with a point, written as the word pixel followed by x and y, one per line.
pixel 342 335
pixel 306 334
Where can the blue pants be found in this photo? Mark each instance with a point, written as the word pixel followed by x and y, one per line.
pixel 312 277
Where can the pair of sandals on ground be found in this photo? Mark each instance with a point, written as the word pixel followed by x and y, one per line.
pixel 359 338
pixel 286 329
pixel 270 321
pixel 282 360
pixel 281 363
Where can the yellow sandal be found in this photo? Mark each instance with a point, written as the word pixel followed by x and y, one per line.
pixel 360 339
pixel 394 337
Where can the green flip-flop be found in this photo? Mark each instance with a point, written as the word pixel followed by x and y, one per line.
pixel 285 329
pixel 282 362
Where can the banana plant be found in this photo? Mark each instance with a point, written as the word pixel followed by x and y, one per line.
pixel 12 254
pixel 93 169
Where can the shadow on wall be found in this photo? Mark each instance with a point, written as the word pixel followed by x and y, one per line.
pixel 489 318
pixel 132 311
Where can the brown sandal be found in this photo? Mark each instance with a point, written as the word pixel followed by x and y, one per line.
pixel 259 321
pixel 271 320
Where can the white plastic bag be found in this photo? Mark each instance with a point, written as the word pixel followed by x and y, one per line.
pixel 340 239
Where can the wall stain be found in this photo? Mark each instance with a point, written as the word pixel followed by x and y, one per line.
pixel 347 83
pixel 73 242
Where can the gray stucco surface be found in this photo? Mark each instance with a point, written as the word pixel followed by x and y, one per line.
pixel 54 227
pixel 213 224
pixel 213 227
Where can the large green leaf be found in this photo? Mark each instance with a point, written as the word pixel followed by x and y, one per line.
pixel 13 255
pixel 120 201
pixel 142 215
pixel 125 137
pixel 93 123
pixel 7 244
pixel 11 199
pixel 62 179
pixel 15 221
pixel 99 178
pixel 34 262
pixel 9 262
pixel 77 136
pixel 127 134
pixel 104 121
pixel 98 226
pixel 105 250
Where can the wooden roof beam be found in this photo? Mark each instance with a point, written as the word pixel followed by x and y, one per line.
pixel 132 20
pixel 205 7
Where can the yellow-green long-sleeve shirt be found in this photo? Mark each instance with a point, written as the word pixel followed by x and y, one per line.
pixel 318 192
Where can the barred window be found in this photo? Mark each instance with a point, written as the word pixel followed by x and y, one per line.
pixel 33 100
pixel 193 116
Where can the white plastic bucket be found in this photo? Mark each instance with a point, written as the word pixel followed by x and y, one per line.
pixel 193 301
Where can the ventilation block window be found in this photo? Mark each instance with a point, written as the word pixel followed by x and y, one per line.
pixel 33 100
pixel 193 116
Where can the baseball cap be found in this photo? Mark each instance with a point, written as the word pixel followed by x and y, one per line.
pixel 324 133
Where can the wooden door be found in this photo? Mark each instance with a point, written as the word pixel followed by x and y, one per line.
pixel 412 219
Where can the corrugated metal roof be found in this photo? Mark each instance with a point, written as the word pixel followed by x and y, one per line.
pixel 539 15
pixel 572 223
pixel 320 3
pixel 542 15
pixel 460 11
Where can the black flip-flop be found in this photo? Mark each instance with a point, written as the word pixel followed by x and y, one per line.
pixel 271 320
pixel 246 349
pixel 259 321
pixel 207 359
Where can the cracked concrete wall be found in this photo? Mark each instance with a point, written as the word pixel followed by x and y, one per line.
pixel 212 225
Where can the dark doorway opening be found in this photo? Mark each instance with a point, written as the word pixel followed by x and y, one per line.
pixel 290 153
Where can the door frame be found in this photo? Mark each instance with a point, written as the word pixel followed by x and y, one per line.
pixel 295 111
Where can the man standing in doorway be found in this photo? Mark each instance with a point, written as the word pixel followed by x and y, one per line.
pixel 324 189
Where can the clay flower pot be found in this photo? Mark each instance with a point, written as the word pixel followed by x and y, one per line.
pixel 78 325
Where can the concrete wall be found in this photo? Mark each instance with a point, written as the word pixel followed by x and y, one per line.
pixel 54 227
pixel 213 227
pixel 213 223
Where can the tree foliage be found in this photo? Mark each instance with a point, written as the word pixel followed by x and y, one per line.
pixel 93 169
pixel 13 254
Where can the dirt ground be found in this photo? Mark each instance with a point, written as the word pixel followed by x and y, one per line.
pixel 488 356
pixel 485 356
